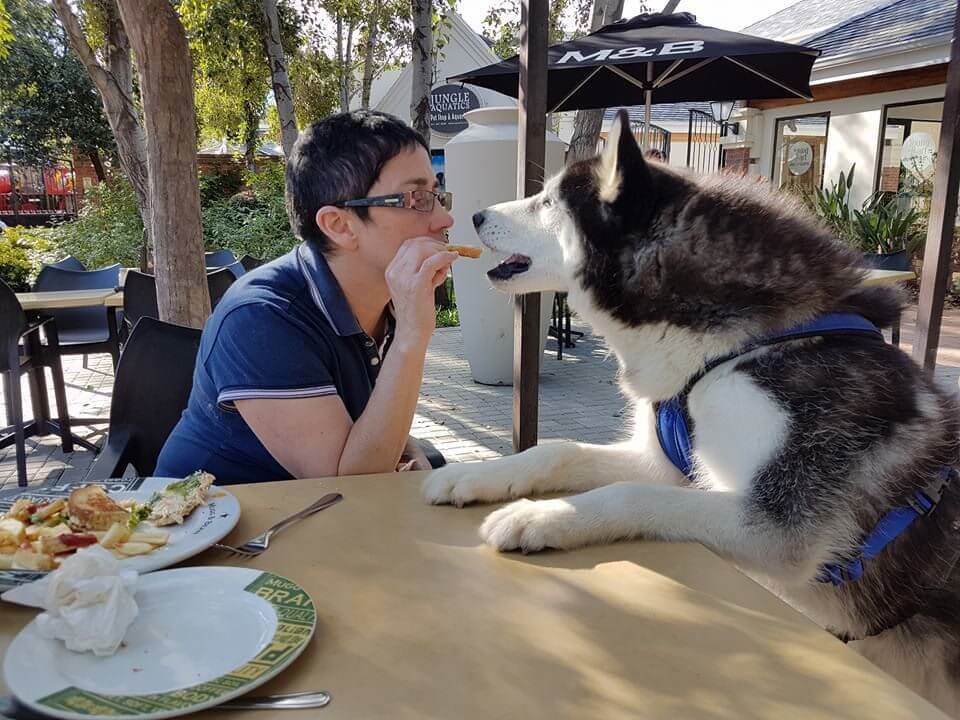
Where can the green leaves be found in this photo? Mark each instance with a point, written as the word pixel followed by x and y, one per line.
pixel 889 224
pixel 47 102
pixel 884 223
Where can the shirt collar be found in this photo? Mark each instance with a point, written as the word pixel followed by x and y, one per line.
pixel 326 291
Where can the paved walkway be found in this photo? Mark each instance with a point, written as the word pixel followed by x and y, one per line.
pixel 579 399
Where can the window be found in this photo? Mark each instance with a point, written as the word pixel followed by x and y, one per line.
pixel 911 134
pixel 800 148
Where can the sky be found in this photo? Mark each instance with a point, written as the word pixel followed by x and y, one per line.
pixel 725 14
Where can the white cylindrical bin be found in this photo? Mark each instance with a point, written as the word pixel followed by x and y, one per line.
pixel 481 170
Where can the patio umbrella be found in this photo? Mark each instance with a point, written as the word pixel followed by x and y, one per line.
pixel 660 58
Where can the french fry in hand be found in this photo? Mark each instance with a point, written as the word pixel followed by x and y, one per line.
pixel 465 250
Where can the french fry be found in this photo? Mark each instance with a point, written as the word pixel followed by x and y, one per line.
pixel 117 534
pixel 150 537
pixel 465 250
pixel 20 510
pixel 49 510
pixel 134 548
pixel 29 560
pixel 12 533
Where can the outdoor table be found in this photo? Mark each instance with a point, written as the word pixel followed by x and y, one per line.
pixel 418 619
pixel 890 277
pixel 35 304
pixel 62 299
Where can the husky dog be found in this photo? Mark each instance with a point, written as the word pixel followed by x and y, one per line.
pixel 807 454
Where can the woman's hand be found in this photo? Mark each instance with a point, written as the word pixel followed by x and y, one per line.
pixel 419 267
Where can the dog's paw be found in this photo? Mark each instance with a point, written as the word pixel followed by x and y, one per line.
pixel 532 525
pixel 463 483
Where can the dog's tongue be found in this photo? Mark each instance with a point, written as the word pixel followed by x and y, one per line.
pixel 513 265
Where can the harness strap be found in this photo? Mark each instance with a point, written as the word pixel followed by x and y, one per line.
pixel 673 421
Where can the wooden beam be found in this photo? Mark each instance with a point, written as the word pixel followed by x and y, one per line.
pixel 943 217
pixel 884 82
pixel 531 159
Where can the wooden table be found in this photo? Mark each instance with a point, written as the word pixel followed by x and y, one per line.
pixel 888 277
pixel 63 299
pixel 417 619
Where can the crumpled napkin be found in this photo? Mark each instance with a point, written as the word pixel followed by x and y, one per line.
pixel 88 601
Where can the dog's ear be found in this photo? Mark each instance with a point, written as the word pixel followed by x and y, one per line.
pixel 622 169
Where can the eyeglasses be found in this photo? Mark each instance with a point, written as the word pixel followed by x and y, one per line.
pixel 420 200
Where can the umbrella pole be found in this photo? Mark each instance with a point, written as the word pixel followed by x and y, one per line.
pixel 531 160
pixel 646 111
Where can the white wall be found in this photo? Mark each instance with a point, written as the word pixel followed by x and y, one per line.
pixel 853 136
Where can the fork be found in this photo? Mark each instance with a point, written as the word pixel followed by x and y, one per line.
pixel 261 542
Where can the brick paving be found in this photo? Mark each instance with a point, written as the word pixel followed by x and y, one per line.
pixel 579 399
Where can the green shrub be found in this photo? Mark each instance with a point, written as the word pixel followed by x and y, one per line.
pixel 220 186
pixel 448 317
pixel 253 221
pixel 22 253
pixel 108 229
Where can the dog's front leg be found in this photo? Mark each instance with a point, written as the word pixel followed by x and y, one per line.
pixel 557 467
pixel 631 510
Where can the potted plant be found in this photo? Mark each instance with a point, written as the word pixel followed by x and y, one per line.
pixel 889 231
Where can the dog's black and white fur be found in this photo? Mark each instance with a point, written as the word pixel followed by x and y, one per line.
pixel 799 448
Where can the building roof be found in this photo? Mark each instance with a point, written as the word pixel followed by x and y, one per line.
pixel 893 25
pixel 808 18
pixel 664 112
pixel 839 28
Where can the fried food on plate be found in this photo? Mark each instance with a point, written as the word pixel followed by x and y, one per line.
pixel 90 508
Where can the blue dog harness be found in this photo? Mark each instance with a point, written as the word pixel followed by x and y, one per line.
pixel 673 431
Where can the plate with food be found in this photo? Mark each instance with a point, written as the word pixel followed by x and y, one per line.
pixel 243 627
pixel 152 524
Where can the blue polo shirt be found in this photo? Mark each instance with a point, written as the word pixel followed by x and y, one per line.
pixel 284 330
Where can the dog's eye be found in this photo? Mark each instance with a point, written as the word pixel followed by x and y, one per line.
pixel 546 202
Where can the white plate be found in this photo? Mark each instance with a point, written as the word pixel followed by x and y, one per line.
pixel 205 526
pixel 204 635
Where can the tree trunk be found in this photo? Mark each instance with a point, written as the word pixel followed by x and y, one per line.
pixel 369 50
pixel 115 87
pixel 282 92
pixel 588 123
pixel 97 163
pixel 341 68
pixel 348 67
pixel 422 45
pixel 166 85
pixel 250 135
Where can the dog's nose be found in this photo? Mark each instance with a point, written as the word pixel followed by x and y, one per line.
pixel 478 218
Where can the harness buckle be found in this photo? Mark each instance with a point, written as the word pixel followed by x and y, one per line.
pixel 925 501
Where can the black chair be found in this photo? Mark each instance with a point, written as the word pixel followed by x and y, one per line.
pixel 87 330
pixel 250 262
pixel 140 293
pixel 139 297
pixel 237 269
pixel 219 281
pixel 69 263
pixel 560 325
pixel 33 357
pixel 153 384
pixel 434 456
pixel 219 258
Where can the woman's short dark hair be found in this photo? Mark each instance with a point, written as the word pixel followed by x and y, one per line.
pixel 340 158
